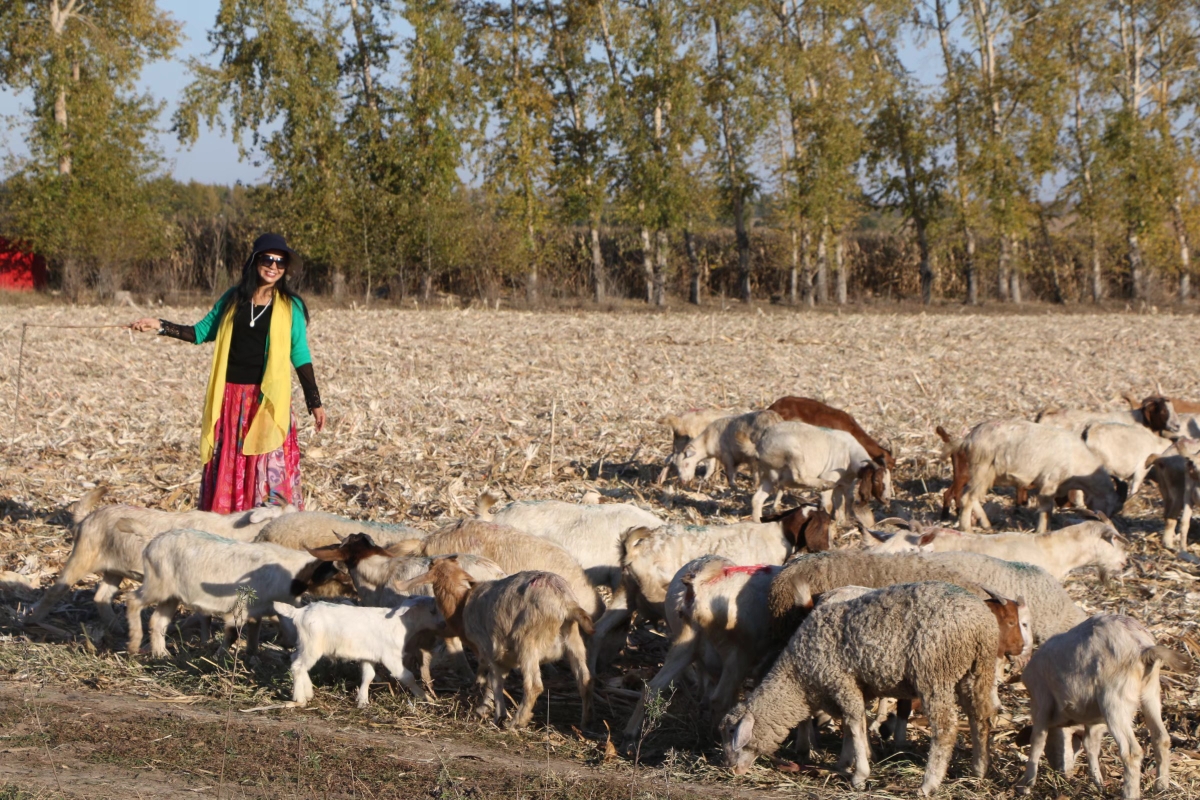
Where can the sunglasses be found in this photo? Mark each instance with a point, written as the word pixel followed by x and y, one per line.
pixel 266 258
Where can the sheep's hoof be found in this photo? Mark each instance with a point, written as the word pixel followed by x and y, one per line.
pixel 1022 790
pixel 484 711
pixel 783 765
pixel 858 782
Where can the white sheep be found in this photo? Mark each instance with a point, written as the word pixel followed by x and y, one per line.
pixel 1124 450
pixel 109 542
pixel 1087 544
pixel 829 461
pixel 357 633
pixel 238 581
pixel 732 440
pixel 319 529
pixel 932 641
pixel 1052 461
pixel 1100 673
pixel 521 621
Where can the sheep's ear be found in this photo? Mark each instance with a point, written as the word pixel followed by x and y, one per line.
pixel 802 596
pixel 671 421
pixel 262 514
pixel 743 732
pixel 341 537
pixel 926 539
pixel 412 583
pixel 1020 601
pixel 880 535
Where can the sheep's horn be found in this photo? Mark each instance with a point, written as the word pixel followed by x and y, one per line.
pixel 997 597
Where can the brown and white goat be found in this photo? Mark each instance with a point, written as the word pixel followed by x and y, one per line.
pixel 814 412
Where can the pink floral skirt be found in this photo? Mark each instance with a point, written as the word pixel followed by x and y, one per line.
pixel 233 481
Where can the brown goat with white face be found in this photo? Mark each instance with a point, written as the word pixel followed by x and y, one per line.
pixel 521 621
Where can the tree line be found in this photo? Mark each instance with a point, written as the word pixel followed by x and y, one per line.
pixel 806 151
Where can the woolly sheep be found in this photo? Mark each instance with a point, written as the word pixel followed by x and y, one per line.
pixel 236 580
pixel 730 439
pixel 512 550
pixel 1124 450
pixel 319 529
pixel 1100 673
pixel 109 541
pixel 356 633
pixel 829 461
pixel 524 620
pixel 927 640
pixel 1087 544
pixel 1051 460
pixel 717 609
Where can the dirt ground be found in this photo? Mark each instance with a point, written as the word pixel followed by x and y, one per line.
pixel 427 409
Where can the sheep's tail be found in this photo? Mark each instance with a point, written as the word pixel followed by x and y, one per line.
pixel 87 504
pixel 285 610
pixel 483 505
pixel 581 618
pixel 1170 659
pixel 1048 411
pixel 950 444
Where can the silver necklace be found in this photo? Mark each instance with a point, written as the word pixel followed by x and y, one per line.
pixel 254 317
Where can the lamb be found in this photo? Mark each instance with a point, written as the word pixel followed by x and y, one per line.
pixel 236 580
pixel 814 412
pixel 1177 473
pixel 1088 544
pixel 651 558
pixel 512 550
pixel 355 633
pixel 591 533
pixel 1099 674
pixel 320 529
pixel 110 540
pixel 1051 460
pixel 686 427
pixel 716 612
pixel 730 439
pixel 1124 450
pixel 799 454
pixel 524 620
pixel 1051 608
pixel 928 640
pixel 1155 412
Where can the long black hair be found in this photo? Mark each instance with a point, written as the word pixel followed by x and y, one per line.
pixel 249 283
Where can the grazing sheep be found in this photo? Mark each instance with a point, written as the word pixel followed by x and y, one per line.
pixel 650 558
pixel 717 613
pixel 1051 608
pixel 236 580
pixel 814 412
pixel 1100 673
pixel 686 427
pixel 521 621
pixel 932 641
pixel 356 633
pixel 1124 450
pixel 590 533
pixel 512 550
pixel 1156 412
pixel 1088 544
pixel 318 529
pixel 730 439
pixel 1177 474
pixel 799 454
pixel 109 541
pixel 1025 454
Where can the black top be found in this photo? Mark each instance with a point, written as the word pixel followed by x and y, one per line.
pixel 248 351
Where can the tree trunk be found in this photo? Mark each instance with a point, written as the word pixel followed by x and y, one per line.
pixel 972 271
pixel 1185 250
pixel 925 269
pixel 794 278
pixel 1014 271
pixel 648 264
pixel 1135 266
pixel 597 263
pixel 426 286
pixel 1003 267
pixel 1097 277
pixel 839 255
pixel 660 267
pixel 806 260
pixel 695 285
pixel 339 284
pixel 823 263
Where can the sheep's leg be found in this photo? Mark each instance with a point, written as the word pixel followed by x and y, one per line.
pixel 531 672
pixel 133 616
pixel 854 720
pixel 1045 504
pixel 1159 738
pixel 302 687
pixel 1185 524
pixel 881 713
pixel 903 712
pixel 943 729
pixel 765 487
pixel 164 612
pixel 806 739
pixel 493 693
pixel 826 498
pixel 1061 751
pixel 1168 534
pixel 975 696
pixel 1037 743
pixel 1120 724
pixel 106 590
pixel 454 649
pixel 364 686
pixel 252 628
pixel 1091 745
pixel 403 676
pixel 576 653
pixel 730 466
pixel 733 674
pixel 609 622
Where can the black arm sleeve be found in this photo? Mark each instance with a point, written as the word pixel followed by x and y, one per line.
pixel 308 383
pixel 185 332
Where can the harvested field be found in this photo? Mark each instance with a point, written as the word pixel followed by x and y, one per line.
pixel 429 408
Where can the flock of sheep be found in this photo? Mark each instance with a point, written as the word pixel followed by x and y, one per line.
pixel 931 614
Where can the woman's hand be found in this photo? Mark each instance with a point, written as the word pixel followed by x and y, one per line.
pixel 319 418
pixel 145 325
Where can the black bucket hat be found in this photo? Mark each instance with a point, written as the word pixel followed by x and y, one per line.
pixel 273 241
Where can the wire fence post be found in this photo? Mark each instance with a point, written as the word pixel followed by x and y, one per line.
pixel 20 366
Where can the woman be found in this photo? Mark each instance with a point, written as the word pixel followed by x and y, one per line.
pixel 248 436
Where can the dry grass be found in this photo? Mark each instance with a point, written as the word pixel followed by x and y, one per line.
pixel 428 408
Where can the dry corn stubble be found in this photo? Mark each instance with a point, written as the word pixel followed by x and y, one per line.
pixel 427 408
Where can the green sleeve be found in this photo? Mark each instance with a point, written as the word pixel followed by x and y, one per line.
pixel 300 354
pixel 206 329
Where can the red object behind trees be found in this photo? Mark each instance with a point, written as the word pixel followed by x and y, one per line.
pixel 20 271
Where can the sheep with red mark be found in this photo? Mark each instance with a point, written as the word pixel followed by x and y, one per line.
pixel 1100 674
pixel 732 440
pixel 109 541
pixel 814 412
pixel 521 621
pixel 829 461
pixel 1052 460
